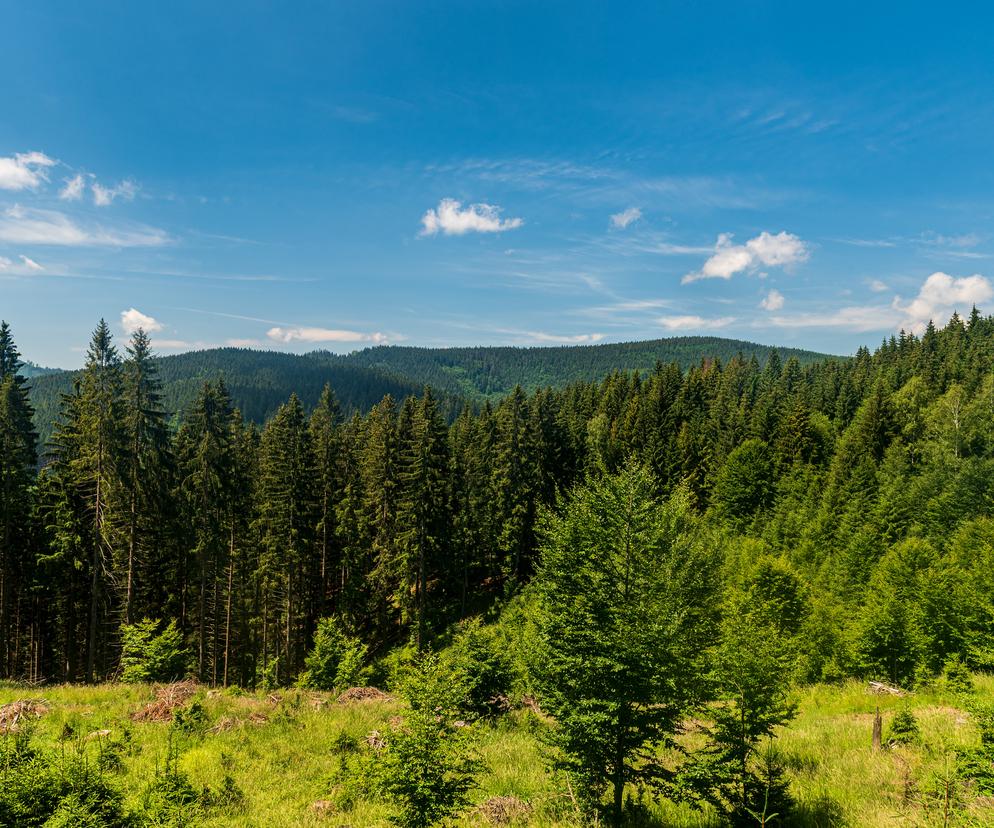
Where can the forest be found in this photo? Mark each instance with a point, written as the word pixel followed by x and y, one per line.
pixel 630 553
pixel 258 382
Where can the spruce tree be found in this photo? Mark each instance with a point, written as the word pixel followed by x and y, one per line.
pixel 625 592
pixel 285 526
pixel 17 462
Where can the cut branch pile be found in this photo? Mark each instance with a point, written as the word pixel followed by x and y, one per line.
pixel 13 715
pixel 363 694
pixel 168 699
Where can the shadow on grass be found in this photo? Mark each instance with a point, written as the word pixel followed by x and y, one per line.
pixel 821 813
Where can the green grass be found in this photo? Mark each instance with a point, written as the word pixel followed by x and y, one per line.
pixel 281 754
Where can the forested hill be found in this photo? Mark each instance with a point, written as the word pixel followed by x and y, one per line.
pixel 260 381
pixel 495 371
pixel 29 370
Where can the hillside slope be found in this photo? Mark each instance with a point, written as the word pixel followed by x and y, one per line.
pixel 259 381
pixel 494 371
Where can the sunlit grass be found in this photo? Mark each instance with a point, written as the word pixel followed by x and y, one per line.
pixel 281 754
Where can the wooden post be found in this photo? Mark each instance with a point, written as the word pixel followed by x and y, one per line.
pixel 878 727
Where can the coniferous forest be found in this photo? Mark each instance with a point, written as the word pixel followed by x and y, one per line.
pixel 631 550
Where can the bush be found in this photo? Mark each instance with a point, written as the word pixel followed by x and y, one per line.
pixel 147 656
pixel 337 661
pixel 956 676
pixel 477 654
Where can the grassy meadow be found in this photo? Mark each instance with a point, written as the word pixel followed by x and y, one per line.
pixel 282 751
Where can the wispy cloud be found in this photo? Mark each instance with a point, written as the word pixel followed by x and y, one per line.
pixel 690 322
pixel 23 225
pixel 24 170
pixel 105 196
pixel 313 335
pixel 73 188
pixel 780 250
pixel 626 217
pixel 524 337
pixel 25 267
pixel 451 219
pixel 861 319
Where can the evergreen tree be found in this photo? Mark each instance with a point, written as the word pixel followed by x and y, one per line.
pixel 147 466
pixel 625 591
pixel 17 465
pixel 285 524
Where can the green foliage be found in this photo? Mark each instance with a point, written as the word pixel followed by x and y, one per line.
pixel 337 661
pixel 426 768
pixel 625 596
pixel 956 675
pixel 752 673
pixel 39 788
pixel 745 483
pixel 479 655
pixel 148 656
pixel 903 728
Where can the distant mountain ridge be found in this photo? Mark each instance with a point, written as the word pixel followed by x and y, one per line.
pixel 30 369
pixel 495 371
pixel 259 381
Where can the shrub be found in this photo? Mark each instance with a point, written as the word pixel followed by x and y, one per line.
pixel 336 661
pixel 477 654
pixel 147 656
pixel 956 676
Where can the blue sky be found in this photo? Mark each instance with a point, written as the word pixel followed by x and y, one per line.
pixel 334 175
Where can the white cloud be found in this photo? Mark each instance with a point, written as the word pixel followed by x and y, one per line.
pixel 690 322
pixel 243 342
pixel 878 286
pixel 939 296
pixel 73 188
pixel 773 301
pixel 625 217
pixel 780 250
pixel 132 319
pixel 304 334
pixel 104 196
pixel 24 171
pixel 22 225
pixel 451 219
pixel 30 264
